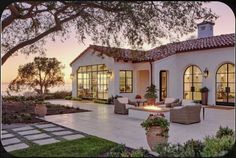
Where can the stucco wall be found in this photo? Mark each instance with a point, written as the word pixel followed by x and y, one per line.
pixel 176 65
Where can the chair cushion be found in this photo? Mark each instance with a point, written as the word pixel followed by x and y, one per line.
pixel 187 102
pixel 127 106
pixel 169 100
pixel 177 107
pixel 123 100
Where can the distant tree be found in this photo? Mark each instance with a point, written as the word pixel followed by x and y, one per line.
pixel 25 24
pixel 39 75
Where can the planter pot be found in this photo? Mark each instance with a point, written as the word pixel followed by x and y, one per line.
pixel 204 98
pixel 151 101
pixel 154 137
pixel 40 110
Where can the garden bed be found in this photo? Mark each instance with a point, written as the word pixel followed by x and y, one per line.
pixel 23 112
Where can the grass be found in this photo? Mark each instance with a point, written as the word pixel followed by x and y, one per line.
pixel 89 146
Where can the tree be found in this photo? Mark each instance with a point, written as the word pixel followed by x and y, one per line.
pixel 40 75
pixel 25 25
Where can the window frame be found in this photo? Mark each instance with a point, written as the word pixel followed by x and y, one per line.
pixel 132 82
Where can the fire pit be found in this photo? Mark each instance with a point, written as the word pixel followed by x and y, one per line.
pixel 143 112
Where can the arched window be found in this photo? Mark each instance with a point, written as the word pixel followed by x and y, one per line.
pixel 225 84
pixel 192 83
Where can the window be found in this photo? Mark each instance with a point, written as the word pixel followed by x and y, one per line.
pixel 93 81
pixel 192 83
pixel 126 81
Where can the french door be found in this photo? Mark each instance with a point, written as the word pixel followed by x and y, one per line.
pixel 225 84
pixel 163 85
pixel 192 83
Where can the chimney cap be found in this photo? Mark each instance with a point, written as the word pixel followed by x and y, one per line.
pixel 206 22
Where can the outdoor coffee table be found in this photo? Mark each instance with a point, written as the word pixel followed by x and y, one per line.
pixel 142 112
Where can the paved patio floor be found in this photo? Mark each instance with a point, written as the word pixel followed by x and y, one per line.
pixel 102 122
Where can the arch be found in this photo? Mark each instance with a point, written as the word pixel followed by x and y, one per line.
pixel 192 82
pixel 225 84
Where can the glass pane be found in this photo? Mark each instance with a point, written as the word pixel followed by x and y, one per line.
pixel 128 88
pixel 122 81
pixel 187 87
pixel 129 74
pixel 220 87
pixel 197 86
pixel 79 70
pixel 197 78
pixel 94 68
pixel 100 95
pixel 222 69
pixel 129 81
pixel 196 70
pixel 231 68
pixel 187 78
pixel 231 77
pixel 122 74
pixel 197 96
pixel 101 67
pixel 105 95
pixel 232 87
pixel 231 98
pixel 122 88
pixel 188 95
pixel 89 68
pixel 221 77
pixel 83 68
pixel 188 70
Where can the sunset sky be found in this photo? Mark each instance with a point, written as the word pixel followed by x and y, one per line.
pixel 70 49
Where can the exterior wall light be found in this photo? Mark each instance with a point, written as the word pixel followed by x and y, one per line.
pixel 205 73
pixel 72 76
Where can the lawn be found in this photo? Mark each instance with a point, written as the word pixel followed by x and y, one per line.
pixel 89 146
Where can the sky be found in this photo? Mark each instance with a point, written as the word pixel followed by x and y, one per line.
pixel 71 48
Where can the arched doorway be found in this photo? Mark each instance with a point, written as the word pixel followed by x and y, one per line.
pixel 225 84
pixel 192 83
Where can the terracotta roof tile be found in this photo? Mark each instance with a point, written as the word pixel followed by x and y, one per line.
pixel 163 51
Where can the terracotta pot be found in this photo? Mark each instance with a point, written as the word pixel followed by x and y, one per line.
pixel 154 137
pixel 40 110
pixel 204 98
pixel 151 101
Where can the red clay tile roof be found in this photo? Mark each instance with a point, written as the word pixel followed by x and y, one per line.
pixel 163 51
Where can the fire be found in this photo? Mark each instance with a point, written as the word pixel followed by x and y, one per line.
pixel 152 107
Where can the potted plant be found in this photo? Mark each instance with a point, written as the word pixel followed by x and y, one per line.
pixel 157 128
pixel 204 91
pixel 40 108
pixel 151 94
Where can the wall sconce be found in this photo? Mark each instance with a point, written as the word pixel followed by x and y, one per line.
pixel 72 76
pixel 109 73
pixel 205 73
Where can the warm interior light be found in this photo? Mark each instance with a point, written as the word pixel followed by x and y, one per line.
pixel 152 107
pixel 72 76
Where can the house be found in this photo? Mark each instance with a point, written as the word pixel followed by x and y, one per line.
pixel 178 69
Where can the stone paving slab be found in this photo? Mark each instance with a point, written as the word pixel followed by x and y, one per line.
pixel 16 147
pixel 22 128
pixel 10 141
pixel 46 141
pixel 4 132
pixel 62 133
pixel 53 129
pixel 72 137
pixel 37 136
pixel 44 125
pixel 35 131
pixel 7 135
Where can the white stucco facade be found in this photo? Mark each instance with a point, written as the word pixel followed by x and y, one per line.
pixel 175 65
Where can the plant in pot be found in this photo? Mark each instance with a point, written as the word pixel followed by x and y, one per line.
pixel 40 108
pixel 151 94
pixel 204 91
pixel 157 128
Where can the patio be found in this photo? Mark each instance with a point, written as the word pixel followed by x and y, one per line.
pixel 102 122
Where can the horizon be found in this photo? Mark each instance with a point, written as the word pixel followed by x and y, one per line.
pixel 225 24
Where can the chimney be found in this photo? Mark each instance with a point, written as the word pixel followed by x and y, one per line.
pixel 205 29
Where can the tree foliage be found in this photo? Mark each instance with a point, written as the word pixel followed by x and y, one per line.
pixel 40 75
pixel 26 24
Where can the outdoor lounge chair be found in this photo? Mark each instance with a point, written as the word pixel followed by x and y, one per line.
pixel 186 114
pixel 121 105
pixel 168 102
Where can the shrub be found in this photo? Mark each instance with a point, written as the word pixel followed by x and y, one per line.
pixel 76 98
pixel 26 116
pixel 61 94
pixel 99 101
pixel 217 146
pixel 169 150
pixel 192 148
pixel 68 97
pixel 224 131
pixel 139 153
pixel 151 92
pixel 117 150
